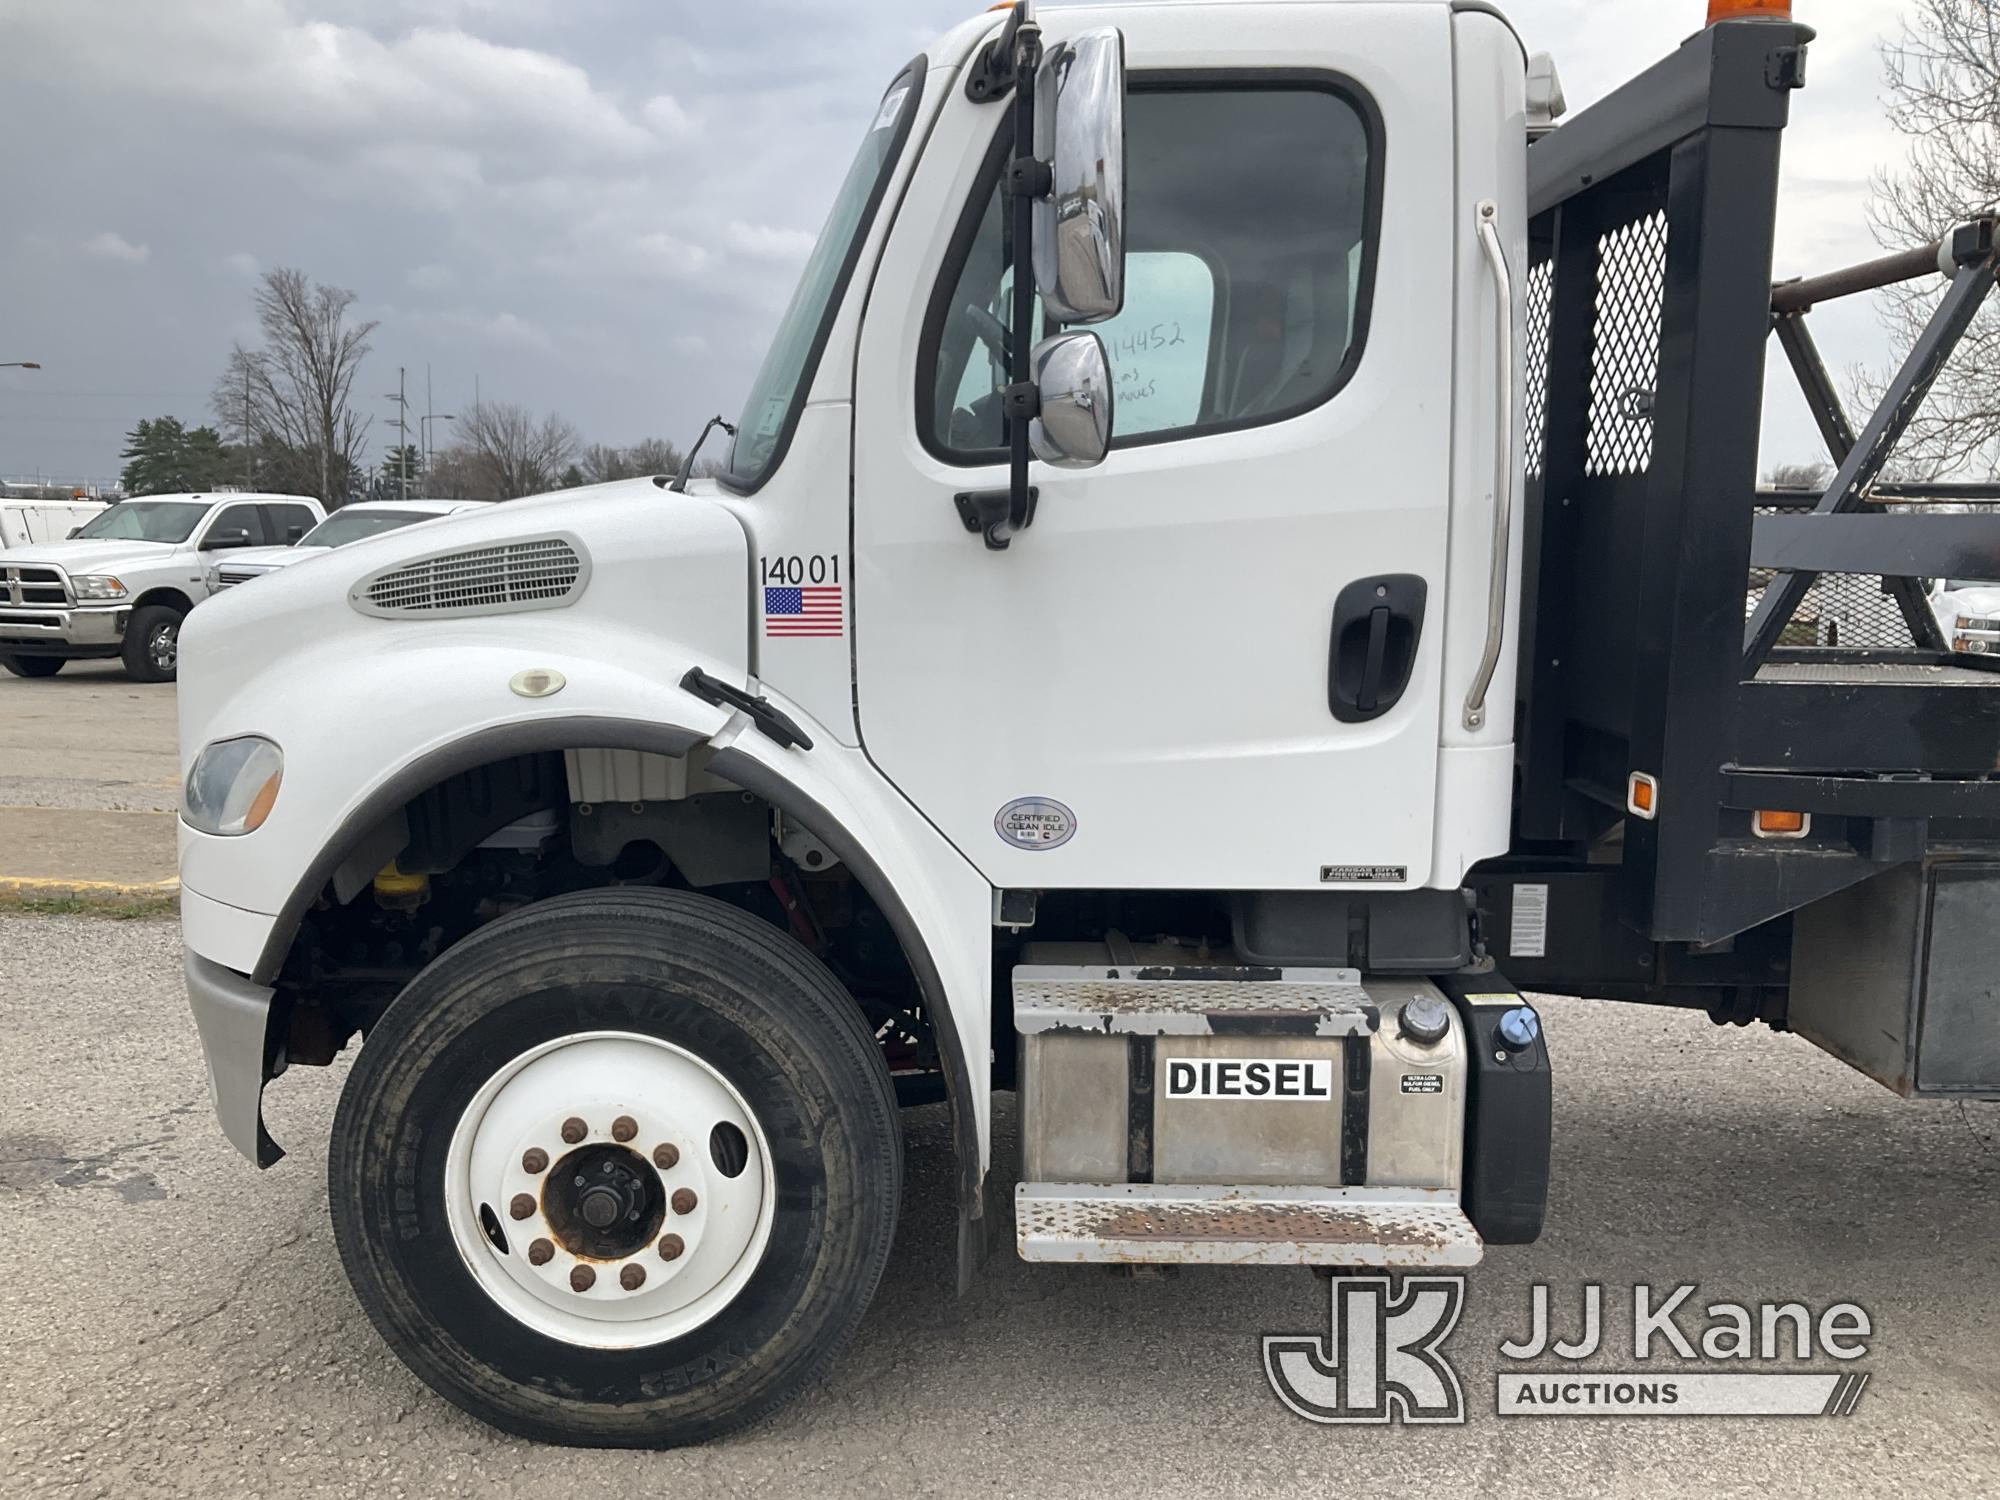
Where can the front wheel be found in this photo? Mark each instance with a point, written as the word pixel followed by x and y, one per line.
pixel 152 649
pixel 622 1169
pixel 32 666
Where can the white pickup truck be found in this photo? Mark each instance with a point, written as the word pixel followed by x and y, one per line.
pixel 123 582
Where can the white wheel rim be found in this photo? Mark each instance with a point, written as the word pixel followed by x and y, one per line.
pixel 603 1079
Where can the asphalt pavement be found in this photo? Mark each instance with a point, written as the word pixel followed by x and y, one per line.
pixel 89 781
pixel 175 1323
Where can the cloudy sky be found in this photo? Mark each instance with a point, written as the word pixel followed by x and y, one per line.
pixel 595 206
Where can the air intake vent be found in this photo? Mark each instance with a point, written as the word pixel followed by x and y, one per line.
pixel 545 573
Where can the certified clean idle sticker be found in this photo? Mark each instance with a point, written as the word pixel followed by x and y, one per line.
pixel 1035 824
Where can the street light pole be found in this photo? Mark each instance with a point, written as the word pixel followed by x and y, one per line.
pixel 402 428
pixel 19 364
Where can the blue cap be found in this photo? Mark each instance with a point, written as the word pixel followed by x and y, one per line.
pixel 1520 1029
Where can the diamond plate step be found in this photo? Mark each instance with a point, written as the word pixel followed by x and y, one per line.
pixel 1150 1224
pixel 1190 1001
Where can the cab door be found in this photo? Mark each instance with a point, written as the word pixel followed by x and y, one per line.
pixel 1213 661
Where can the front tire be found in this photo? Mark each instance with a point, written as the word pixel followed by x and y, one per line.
pixel 618 1024
pixel 32 666
pixel 152 649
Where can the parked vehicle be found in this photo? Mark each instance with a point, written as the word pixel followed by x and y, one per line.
pixel 1206 719
pixel 34 523
pixel 1968 613
pixel 350 523
pixel 124 581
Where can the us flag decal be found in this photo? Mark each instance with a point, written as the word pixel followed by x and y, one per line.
pixel 812 609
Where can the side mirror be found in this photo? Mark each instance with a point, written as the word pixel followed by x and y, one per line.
pixel 1074 377
pixel 1080 132
pixel 216 541
pixel 294 535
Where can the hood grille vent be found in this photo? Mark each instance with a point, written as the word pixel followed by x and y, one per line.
pixel 544 573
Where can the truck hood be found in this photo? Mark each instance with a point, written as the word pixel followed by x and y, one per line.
pixel 91 557
pixel 664 584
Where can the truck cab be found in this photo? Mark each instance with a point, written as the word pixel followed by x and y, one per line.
pixel 1128 659
pixel 126 577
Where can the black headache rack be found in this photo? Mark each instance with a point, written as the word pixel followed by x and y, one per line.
pixel 1744 651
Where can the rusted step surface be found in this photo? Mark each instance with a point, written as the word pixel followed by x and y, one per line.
pixel 1151 1224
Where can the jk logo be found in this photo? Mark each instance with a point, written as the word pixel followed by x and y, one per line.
pixel 1382 1360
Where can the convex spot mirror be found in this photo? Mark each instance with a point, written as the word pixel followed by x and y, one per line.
pixel 1080 131
pixel 1074 378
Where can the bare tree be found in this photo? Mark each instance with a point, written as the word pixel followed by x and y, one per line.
pixel 1943 76
pixel 600 464
pixel 504 452
pixel 290 400
pixel 1814 476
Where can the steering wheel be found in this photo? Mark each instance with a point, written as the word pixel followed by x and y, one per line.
pixel 991 332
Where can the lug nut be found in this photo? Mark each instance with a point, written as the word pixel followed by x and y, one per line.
pixel 683 1200
pixel 671 1247
pixel 624 1128
pixel 574 1130
pixel 534 1161
pixel 541 1253
pixel 667 1156
pixel 632 1277
pixel 582 1279
pixel 523 1206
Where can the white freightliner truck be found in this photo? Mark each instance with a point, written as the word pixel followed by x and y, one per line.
pixel 1235 565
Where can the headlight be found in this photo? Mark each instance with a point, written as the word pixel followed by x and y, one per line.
pixel 1976 622
pixel 97 586
pixel 233 786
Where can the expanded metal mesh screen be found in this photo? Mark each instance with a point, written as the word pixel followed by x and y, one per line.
pixel 1625 350
pixel 1541 296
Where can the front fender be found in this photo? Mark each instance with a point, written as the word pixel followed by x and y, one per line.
pixel 247 896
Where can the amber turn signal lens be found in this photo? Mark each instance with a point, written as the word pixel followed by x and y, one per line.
pixel 1783 825
pixel 1734 10
pixel 1642 796
pixel 263 802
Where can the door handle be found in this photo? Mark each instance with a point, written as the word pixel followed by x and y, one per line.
pixel 1377 626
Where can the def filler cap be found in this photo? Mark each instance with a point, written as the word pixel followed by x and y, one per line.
pixel 1520 1029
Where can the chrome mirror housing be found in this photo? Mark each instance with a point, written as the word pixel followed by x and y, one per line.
pixel 1073 376
pixel 1080 132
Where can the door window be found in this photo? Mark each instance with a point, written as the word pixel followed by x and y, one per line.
pixel 1251 239
pixel 285 524
pixel 235 518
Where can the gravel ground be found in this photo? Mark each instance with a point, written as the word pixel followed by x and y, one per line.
pixel 177 1324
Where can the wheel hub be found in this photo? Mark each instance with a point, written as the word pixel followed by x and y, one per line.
pixel 610 1190
pixel 604 1202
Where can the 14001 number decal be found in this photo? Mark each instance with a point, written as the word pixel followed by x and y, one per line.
pixel 819 567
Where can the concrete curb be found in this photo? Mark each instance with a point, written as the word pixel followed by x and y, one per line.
pixel 158 898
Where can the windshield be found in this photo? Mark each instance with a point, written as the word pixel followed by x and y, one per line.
pixel 345 526
pixel 146 521
pixel 772 410
pixel 1960 585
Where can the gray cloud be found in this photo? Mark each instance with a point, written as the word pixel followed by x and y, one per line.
pixel 591 206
